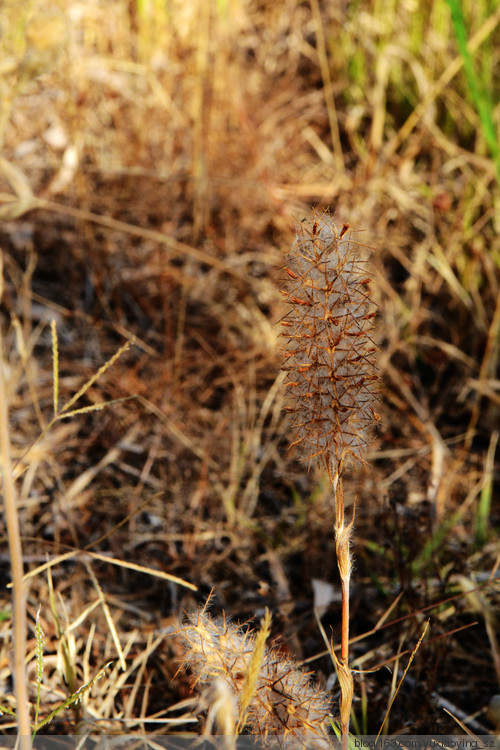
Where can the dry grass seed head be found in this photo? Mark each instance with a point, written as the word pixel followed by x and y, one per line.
pixel 329 352
pixel 284 702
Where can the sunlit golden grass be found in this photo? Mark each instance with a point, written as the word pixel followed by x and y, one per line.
pixel 155 158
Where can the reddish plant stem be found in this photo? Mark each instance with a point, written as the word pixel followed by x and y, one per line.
pixel 342 541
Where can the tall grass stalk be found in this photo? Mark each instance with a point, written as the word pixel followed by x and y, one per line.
pixel 19 623
pixel 329 358
pixel 16 561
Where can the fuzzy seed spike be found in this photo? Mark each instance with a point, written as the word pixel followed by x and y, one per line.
pixel 282 702
pixel 329 350
pixel 329 358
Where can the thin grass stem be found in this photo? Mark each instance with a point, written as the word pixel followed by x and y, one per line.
pixel 19 626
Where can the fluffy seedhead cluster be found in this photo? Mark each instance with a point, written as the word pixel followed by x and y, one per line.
pixel 282 703
pixel 329 353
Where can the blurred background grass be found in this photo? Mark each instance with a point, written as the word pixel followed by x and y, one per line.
pixel 156 155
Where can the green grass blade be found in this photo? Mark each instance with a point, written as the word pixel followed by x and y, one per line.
pixel 482 101
pixel 74 697
pixel 485 497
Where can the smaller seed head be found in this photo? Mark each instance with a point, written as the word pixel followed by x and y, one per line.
pixel 284 703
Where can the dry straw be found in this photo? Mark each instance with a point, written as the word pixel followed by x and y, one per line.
pixel 332 377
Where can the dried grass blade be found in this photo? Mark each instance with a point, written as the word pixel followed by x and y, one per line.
pixel 93 407
pixel 55 365
pixel 114 561
pixel 107 615
pixel 39 663
pixel 412 655
pixel 253 669
pixel 90 382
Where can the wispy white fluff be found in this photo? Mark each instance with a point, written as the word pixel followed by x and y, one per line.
pixel 286 705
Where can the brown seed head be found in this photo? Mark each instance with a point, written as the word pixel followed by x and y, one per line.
pixel 329 353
